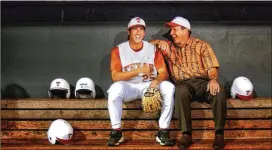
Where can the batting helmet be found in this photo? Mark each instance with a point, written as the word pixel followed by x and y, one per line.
pixel 242 88
pixel 59 88
pixel 85 88
pixel 60 131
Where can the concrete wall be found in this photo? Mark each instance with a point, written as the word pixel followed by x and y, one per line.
pixel 32 56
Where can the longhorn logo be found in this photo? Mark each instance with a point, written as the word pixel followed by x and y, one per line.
pixel 247 92
pixel 138 20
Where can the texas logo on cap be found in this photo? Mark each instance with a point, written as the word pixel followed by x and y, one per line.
pixel 136 21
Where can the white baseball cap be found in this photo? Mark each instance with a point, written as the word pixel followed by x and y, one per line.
pixel 179 21
pixel 136 21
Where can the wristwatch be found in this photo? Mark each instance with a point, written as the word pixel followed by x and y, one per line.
pixel 213 79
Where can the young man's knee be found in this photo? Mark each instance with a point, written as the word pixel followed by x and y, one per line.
pixel 167 87
pixel 116 90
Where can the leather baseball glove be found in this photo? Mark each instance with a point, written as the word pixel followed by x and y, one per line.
pixel 151 101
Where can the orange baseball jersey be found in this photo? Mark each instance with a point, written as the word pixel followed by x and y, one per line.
pixel 194 60
pixel 124 58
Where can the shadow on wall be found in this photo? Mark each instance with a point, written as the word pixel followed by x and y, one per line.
pixel 162 34
pixel 99 92
pixel 14 91
pixel 105 75
pixel 72 89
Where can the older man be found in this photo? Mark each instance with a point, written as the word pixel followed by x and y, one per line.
pixel 194 69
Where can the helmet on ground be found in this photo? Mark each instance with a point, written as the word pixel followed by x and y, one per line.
pixel 60 131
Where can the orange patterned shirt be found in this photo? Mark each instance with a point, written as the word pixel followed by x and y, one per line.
pixel 194 60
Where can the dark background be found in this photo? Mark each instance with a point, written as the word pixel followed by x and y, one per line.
pixel 41 41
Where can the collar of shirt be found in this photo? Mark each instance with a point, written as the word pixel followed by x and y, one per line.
pixel 178 48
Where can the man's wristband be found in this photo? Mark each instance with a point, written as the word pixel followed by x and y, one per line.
pixel 213 79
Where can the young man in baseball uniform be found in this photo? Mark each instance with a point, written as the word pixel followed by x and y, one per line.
pixel 136 65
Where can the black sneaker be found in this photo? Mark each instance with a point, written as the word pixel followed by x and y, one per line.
pixel 218 141
pixel 185 141
pixel 163 138
pixel 115 138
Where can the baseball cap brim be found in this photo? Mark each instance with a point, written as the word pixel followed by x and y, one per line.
pixel 171 24
pixel 242 97
pixel 136 26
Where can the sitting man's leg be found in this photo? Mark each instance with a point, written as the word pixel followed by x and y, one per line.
pixel 167 90
pixel 119 91
pixel 218 105
pixel 219 109
pixel 184 95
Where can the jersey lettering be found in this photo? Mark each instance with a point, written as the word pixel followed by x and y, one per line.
pixel 132 60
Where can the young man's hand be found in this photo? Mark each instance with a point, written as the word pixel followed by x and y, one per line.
pixel 145 69
pixel 154 84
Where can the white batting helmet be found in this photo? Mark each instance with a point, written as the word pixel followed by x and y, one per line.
pixel 60 131
pixel 85 88
pixel 59 88
pixel 242 88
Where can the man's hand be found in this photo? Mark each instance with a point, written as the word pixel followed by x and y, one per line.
pixel 213 87
pixel 145 69
pixel 163 45
pixel 154 84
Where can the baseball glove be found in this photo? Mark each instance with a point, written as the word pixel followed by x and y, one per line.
pixel 151 101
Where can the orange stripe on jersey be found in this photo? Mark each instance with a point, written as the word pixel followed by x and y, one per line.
pixel 115 60
pixel 159 60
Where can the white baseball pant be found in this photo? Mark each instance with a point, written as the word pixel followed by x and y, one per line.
pixel 123 91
